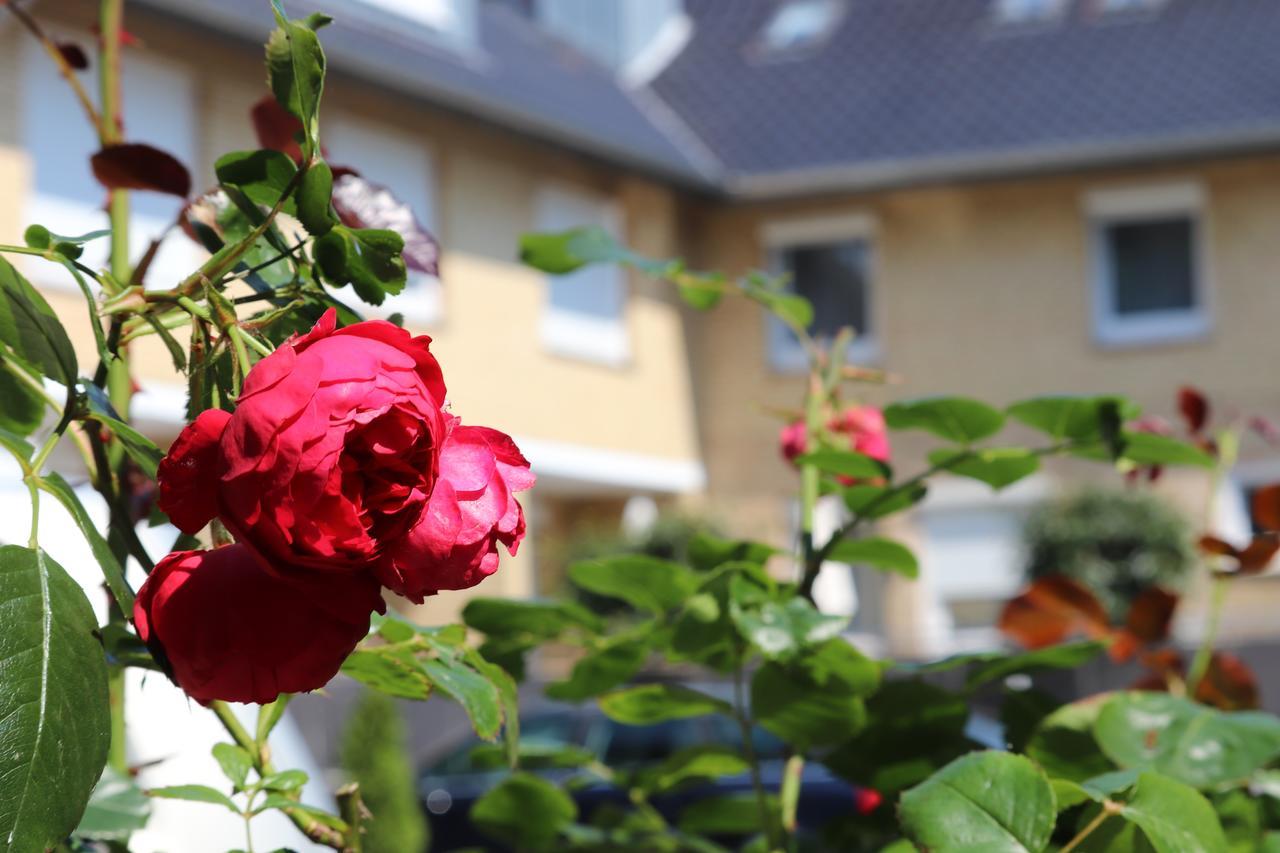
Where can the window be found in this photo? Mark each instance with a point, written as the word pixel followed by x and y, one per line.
pixel 451 20
pixel 1148 265
pixel 585 314
pixel 1029 11
pixel 799 24
pixel 831 264
pixel 403 163
pixel 65 197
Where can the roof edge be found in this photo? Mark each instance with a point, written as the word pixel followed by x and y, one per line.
pixel 903 172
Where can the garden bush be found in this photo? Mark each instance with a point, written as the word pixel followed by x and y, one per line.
pixel 310 503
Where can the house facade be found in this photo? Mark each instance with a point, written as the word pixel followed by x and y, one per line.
pixel 1005 197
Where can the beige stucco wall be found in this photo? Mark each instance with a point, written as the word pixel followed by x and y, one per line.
pixel 984 290
pixel 487 337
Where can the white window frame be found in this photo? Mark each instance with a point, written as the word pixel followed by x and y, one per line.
pixel 572 334
pixel 421 302
pixel 1107 207
pixel 785 354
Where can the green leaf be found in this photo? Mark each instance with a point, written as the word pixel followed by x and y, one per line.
pixel 655 703
pixel 30 328
pixel 709 761
pixel 295 71
pixel 477 695
pixel 707 552
pixel 141 449
pixel 39 237
pixel 728 814
pixel 234 761
pixel 285 781
pixel 23 409
pixel 644 582
pixel 314 194
pixel 567 251
pixel 1069 418
pixel 1063 743
pixel 508 701
pixel 1147 448
pixel 1062 656
pixel 1195 744
pixel 112 571
pixel 783 629
pixel 1175 817
pixel 845 463
pixel 395 673
pixel 262 175
pixel 870 501
pixel 538 619
pixel 956 419
pixel 875 551
pixel 194 794
pixel 369 259
pixel 997 467
pixel 614 663
pixel 533 755
pixel 702 291
pixel 116 809
pixel 817 699
pixel 912 729
pixel 982 801
pixel 524 811
pixel 54 719
pixel 1068 794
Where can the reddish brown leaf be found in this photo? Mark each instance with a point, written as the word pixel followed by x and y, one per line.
pixel 136 166
pixel 1194 408
pixel 1147 622
pixel 1214 545
pixel 1266 507
pixel 74 55
pixel 1258 555
pixel 1228 684
pixel 1051 610
pixel 1163 666
pixel 361 203
pixel 276 128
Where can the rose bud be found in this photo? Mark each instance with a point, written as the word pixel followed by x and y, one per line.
pixel 472 510
pixel 867 800
pixel 862 427
pixel 330 454
pixel 227 629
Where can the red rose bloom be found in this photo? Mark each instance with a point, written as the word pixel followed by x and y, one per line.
pixel 472 510
pixel 330 454
pixel 863 427
pixel 229 630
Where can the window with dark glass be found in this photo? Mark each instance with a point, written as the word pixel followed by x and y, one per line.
pixel 833 277
pixel 1151 265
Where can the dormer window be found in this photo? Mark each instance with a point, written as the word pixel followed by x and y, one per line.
pixel 1029 11
pixel 452 21
pixel 800 24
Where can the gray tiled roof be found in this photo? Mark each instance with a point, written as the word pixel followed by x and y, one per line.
pixel 516 76
pixel 908 88
pixel 902 91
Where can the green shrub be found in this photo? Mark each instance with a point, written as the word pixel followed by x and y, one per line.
pixel 375 754
pixel 1115 542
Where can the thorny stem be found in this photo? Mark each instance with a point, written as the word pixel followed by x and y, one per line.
pixel 1228 446
pixel 1108 809
pixel 64 68
pixel 119 383
pixel 749 752
pixel 261 757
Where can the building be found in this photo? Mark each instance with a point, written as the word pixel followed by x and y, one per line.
pixel 1007 197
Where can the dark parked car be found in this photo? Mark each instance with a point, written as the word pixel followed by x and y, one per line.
pixel 450 786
